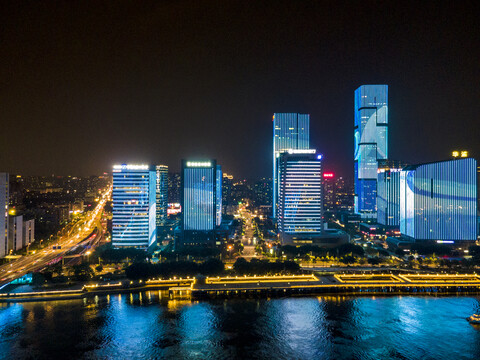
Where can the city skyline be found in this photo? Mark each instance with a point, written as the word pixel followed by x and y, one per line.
pixel 118 92
pixel 239 179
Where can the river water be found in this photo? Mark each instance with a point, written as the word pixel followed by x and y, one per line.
pixel 150 326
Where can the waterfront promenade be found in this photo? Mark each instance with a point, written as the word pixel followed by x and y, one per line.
pixel 272 286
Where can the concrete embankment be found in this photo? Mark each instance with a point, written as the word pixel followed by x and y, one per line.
pixel 274 286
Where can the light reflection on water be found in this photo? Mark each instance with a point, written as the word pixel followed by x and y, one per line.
pixel 149 325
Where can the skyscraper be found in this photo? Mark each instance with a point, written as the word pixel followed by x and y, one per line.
pixel 15 232
pixel 3 214
pixel 290 131
pixel 371 144
pixel 28 232
pixel 199 203
pixel 329 192
pixel 300 208
pixel 218 197
pixel 174 185
pixel 134 204
pixel 438 201
pixel 388 192
pixel 161 199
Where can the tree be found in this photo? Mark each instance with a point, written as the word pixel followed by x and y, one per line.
pixel 241 266
pixel 348 259
pixel 57 269
pixel 374 261
pixel 399 252
pixel 83 272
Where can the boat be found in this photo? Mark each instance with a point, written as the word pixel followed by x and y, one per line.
pixel 474 319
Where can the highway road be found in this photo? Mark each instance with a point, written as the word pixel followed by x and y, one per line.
pixel 247 239
pixel 74 237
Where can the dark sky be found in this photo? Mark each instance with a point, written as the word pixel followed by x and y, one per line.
pixel 84 85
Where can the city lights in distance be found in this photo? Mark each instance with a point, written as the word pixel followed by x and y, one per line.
pixel 328 175
pixel 199 164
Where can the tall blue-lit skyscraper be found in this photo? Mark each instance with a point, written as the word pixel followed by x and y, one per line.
pixel 134 206
pixel 300 204
pixel 370 144
pixel 438 201
pixel 290 131
pixel 218 198
pixel 161 190
pixel 199 203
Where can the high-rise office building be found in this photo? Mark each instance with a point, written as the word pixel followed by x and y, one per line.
pixel 218 197
pixel 388 192
pixel 15 232
pixel 371 145
pixel 291 131
pixel 438 201
pixel 174 185
pixel 300 208
pixel 199 203
pixel 329 192
pixel 134 203
pixel 4 200
pixel 161 190
pixel 227 187
pixel 344 195
pixel 28 232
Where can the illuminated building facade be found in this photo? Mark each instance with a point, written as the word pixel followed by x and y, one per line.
pixel 227 187
pixel 388 192
pixel 134 206
pixel 199 203
pixel 174 184
pixel 4 199
pixel 438 201
pixel 329 192
pixel 262 194
pixel 290 131
pixel 218 197
pixel 300 210
pixel 161 191
pixel 15 232
pixel 344 195
pixel 28 232
pixel 370 145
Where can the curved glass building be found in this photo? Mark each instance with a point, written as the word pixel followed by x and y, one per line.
pixel 438 201
pixel 371 145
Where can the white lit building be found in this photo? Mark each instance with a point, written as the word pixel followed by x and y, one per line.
pixel 300 203
pixel 134 203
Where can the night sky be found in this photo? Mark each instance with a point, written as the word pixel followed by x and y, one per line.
pixel 84 85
